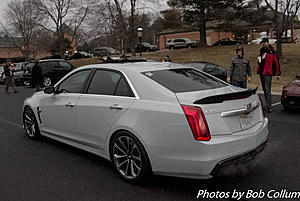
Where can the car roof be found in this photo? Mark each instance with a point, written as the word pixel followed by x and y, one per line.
pixel 136 67
pixel 47 60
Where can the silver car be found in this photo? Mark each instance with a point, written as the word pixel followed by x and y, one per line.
pixel 151 117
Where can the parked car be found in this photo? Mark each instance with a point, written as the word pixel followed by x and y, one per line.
pixel 53 71
pixel 105 51
pixel 82 54
pixel 290 98
pixel 288 40
pixel 151 117
pixel 259 40
pixel 145 47
pixel 210 68
pixel 227 41
pixel 180 43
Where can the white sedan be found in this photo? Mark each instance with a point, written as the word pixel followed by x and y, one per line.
pixel 151 117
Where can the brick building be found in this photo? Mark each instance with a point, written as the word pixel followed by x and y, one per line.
pixel 211 36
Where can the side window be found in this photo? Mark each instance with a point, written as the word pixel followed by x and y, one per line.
pixel 65 65
pixel 109 83
pixel 75 82
pixel 53 64
pixel 176 40
pixel 43 65
pixel 123 89
pixel 104 82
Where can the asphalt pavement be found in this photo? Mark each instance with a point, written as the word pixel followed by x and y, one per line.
pixel 47 170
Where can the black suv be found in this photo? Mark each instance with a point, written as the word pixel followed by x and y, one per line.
pixel 53 71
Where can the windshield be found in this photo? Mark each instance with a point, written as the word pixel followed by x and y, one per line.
pixel 184 80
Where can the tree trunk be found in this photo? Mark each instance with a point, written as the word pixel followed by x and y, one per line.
pixel 203 42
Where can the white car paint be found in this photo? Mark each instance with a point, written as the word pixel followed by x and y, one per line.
pixel 156 118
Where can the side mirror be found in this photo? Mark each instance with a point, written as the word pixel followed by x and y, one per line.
pixel 49 90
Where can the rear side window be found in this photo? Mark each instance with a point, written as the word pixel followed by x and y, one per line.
pixel 65 65
pixel 53 64
pixel 184 80
pixel 112 83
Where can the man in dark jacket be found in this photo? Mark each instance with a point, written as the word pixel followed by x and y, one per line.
pixel 37 76
pixel 9 76
pixel 268 66
pixel 239 72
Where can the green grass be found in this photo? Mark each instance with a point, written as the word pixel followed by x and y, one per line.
pixel 290 65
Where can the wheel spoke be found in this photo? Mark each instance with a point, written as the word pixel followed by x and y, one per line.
pixel 124 152
pixel 123 145
pixel 119 156
pixel 137 167
pixel 132 169
pixel 123 163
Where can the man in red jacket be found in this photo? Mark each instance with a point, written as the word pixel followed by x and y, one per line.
pixel 268 66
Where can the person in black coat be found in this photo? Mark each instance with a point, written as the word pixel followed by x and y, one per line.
pixel 37 76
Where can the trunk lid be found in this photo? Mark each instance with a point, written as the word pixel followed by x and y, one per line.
pixel 228 110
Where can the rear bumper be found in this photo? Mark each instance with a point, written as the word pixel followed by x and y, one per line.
pixel 205 160
pixel 291 101
pixel 238 160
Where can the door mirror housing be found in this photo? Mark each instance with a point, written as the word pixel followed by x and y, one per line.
pixel 49 90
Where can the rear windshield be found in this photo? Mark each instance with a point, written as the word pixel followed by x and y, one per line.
pixel 184 80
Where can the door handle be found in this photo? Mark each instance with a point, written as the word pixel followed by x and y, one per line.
pixel 116 106
pixel 69 105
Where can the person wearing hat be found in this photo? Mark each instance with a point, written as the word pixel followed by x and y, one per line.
pixel 268 66
pixel 239 71
pixel 9 76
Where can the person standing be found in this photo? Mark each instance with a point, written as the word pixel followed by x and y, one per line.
pixel 268 66
pixel 37 76
pixel 240 71
pixel 167 59
pixel 9 76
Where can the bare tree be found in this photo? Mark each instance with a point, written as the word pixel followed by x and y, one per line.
pixel 284 12
pixel 21 21
pixel 64 14
pixel 123 14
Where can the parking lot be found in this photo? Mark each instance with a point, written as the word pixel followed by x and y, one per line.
pixel 49 170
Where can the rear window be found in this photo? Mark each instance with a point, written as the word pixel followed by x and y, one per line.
pixel 184 80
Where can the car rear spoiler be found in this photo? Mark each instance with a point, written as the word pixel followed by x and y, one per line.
pixel 226 97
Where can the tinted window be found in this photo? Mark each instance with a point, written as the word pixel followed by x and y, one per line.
pixel 65 65
pixel 169 41
pixel 74 83
pixel 43 65
pixel 104 82
pixel 184 80
pixel 179 40
pixel 123 89
pixel 52 64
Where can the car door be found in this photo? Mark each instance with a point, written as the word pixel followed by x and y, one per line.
pixel 58 109
pixel 106 99
pixel 65 67
pixel 54 70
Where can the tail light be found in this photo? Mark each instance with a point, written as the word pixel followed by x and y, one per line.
pixel 197 122
pixel 263 111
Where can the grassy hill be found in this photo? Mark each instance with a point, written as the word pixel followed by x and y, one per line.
pixel 290 65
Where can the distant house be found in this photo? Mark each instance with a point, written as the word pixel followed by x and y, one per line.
pixel 211 36
pixel 243 30
pixel 10 48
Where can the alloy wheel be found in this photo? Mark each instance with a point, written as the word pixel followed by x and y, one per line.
pixel 127 157
pixel 47 81
pixel 30 124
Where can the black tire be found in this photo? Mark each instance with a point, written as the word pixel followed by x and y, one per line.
pixel 172 48
pixel 189 46
pixel 127 152
pixel 30 124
